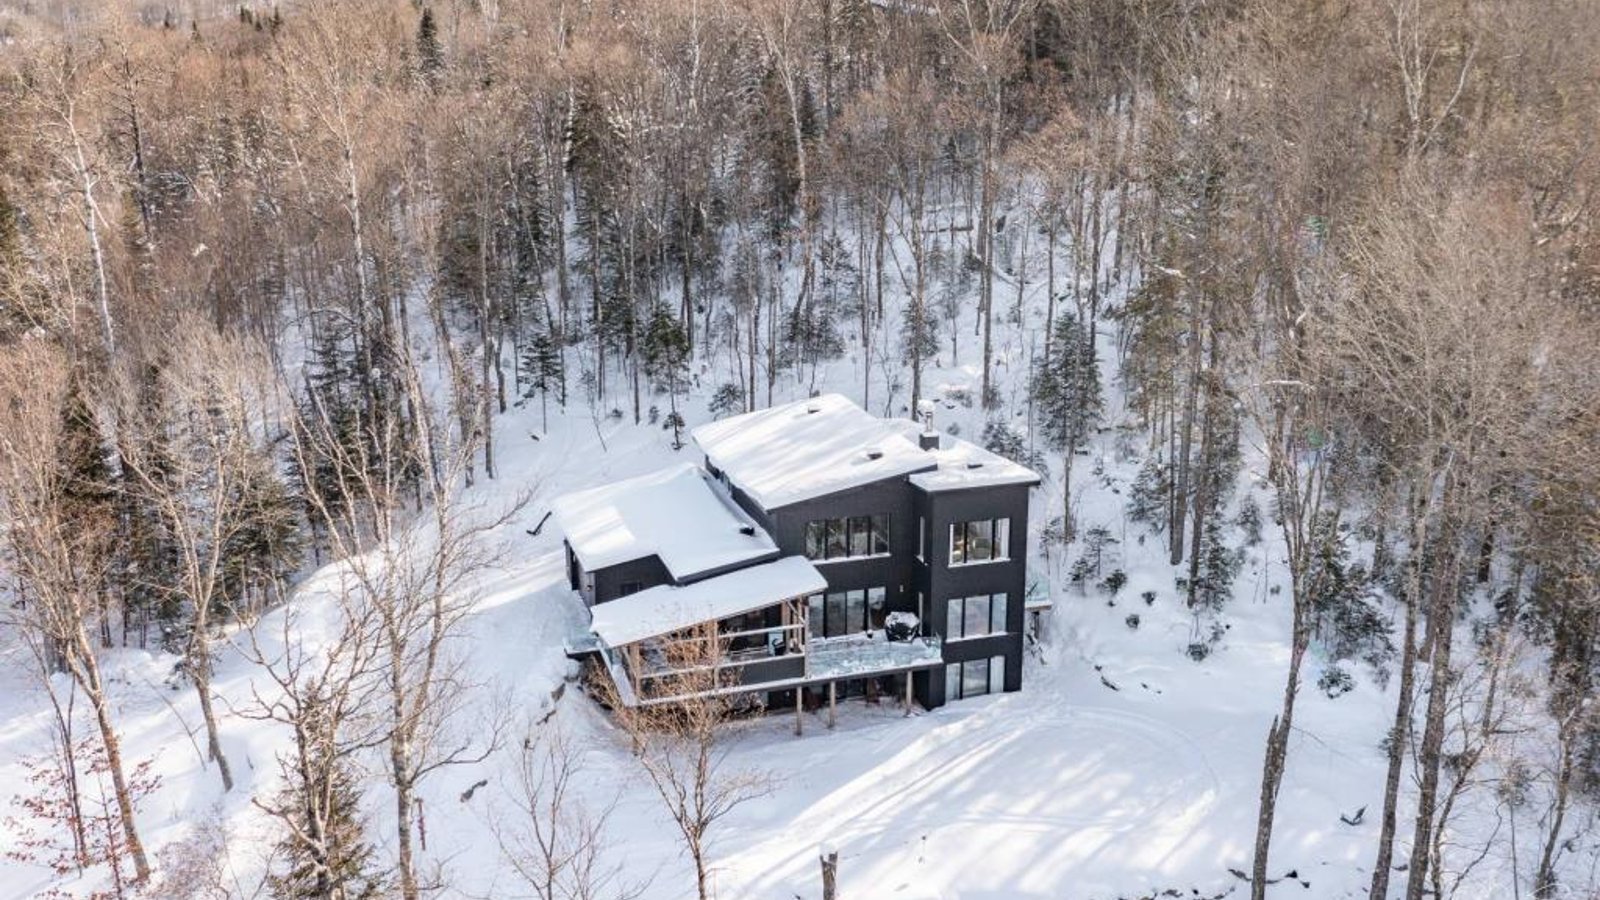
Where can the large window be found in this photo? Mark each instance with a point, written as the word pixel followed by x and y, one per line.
pixel 856 536
pixel 846 612
pixel 984 540
pixel 975 678
pixel 970 617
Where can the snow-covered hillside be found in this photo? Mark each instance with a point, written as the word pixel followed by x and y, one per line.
pixel 1123 768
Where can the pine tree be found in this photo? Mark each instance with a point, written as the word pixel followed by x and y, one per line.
pixel 666 360
pixel 1215 567
pixel 542 370
pixel 430 58
pixel 87 490
pixel 267 545
pixel 1344 616
pixel 726 400
pixel 1000 438
pixel 1150 494
pixel 1066 392
pixel 326 853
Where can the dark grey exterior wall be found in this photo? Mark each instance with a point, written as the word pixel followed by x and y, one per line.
pixel 942 582
pixel 648 571
pixel 891 497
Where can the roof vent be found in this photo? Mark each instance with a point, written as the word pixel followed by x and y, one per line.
pixel 974 464
pixel 747 530
pixel 813 407
pixel 874 453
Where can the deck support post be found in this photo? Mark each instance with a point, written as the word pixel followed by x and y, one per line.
pixel 833 703
pixel 908 692
pixel 799 709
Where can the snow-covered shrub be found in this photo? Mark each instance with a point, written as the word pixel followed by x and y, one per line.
pixel 1147 500
pixel 1149 598
pixel 1114 582
pixel 1249 522
pixel 675 424
pixel 1080 571
pixel 1094 545
pixel 1053 533
pixel 726 400
pixel 1132 621
pixel 1335 681
pixel 1345 614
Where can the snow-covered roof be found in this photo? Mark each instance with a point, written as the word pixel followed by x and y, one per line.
pixel 963 464
pixel 678 514
pixel 668 608
pixel 809 448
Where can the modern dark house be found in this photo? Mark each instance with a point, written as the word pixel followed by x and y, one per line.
pixel 834 551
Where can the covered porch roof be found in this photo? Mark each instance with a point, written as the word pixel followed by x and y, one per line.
pixel 669 608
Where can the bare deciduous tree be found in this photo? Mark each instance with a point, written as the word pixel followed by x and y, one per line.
pixel 682 737
pixel 59 560
pixel 555 839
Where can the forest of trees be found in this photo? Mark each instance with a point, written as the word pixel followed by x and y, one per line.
pixel 1359 234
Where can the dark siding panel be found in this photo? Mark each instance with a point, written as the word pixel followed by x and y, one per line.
pixel 1010 577
pixel 648 572
pixel 892 497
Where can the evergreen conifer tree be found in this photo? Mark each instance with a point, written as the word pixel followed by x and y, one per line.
pixel 666 360
pixel 1066 392
pixel 85 484
pixel 429 57
pixel 1150 495
pixel 325 850
pixel 267 545
pixel 541 370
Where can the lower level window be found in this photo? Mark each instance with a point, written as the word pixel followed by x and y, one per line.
pixel 974 678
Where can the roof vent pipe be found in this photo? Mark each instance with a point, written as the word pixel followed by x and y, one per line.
pixel 929 438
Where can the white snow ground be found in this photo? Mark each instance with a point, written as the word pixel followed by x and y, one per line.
pixel 1069 789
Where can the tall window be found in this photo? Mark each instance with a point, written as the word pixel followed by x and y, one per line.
pixel 970 617
pixel 922 536
pixel 985 540
pixel 975 678
pixel 847 538
pixel 846 612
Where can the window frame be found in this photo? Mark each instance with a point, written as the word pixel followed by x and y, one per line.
pixel 853 605
pixel 959 676
pixel 959 612
pixel 836 539
pixel 962 539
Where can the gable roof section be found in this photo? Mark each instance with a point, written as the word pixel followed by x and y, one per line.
pixel 668 608
pixel 676 514
pixel 797 451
